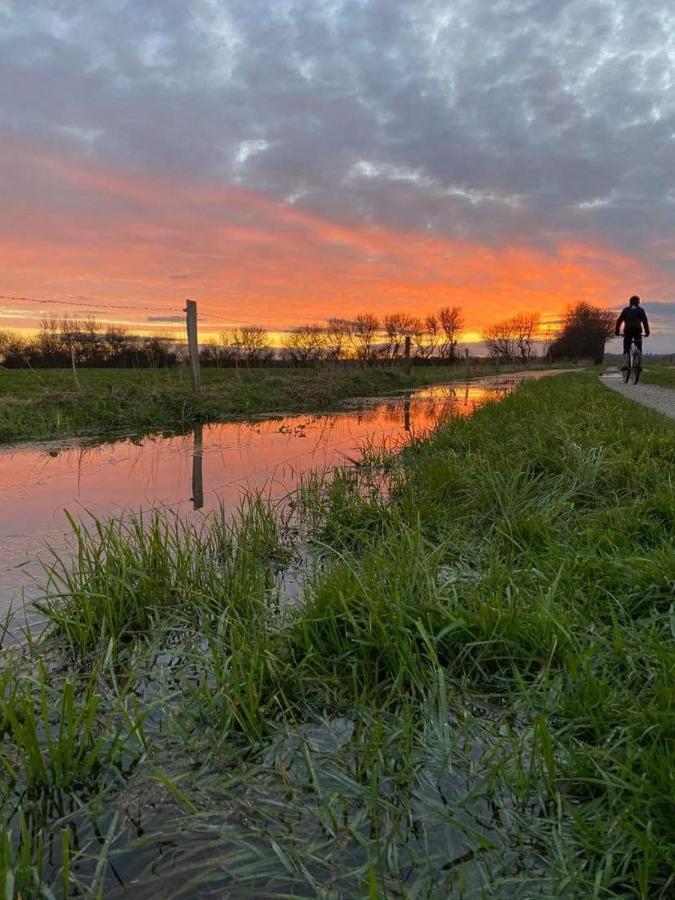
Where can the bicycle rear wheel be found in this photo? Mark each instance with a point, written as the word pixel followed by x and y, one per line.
pixel 636 367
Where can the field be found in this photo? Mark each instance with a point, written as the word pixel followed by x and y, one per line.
pixel 45 404
pixel 472 693
pixel 663 374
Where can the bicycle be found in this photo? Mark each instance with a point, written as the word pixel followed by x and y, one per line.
pixel 632 372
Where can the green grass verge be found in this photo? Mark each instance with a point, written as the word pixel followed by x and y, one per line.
pixel 663 375
pixel 475 695
pixel 44 404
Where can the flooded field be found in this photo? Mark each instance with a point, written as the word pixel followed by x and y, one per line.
pixel 194 472
pixel 184 729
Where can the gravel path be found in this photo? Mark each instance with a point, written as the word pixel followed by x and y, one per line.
pixel 659 398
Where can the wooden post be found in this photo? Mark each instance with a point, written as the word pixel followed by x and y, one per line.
pixel 193 343
pixel 408 360
pixel 468 362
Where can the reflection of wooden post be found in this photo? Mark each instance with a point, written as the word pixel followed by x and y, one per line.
pixel 406 413
pixel 193 343
pixel 197 474
pixel 408 360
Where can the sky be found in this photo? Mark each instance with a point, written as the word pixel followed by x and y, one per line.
pixel 283 161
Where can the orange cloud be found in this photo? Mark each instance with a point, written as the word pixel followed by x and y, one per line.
pixel 133 247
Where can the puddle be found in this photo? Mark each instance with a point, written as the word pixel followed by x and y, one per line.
pixel 195 472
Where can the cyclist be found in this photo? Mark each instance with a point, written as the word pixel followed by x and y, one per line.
pixel 633 318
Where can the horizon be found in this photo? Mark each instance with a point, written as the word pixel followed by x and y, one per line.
pixel 283 166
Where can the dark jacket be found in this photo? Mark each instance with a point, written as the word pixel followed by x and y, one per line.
pixel 633 318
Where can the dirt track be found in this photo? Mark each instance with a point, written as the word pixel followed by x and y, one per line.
pixel 661 399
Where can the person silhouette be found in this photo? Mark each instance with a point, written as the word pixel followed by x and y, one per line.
pixel 633 318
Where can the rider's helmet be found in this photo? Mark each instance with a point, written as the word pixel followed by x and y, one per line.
pixel 634 300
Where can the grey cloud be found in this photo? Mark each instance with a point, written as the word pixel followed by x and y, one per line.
pixel 518 119
pixel 662 321
pixel 662 313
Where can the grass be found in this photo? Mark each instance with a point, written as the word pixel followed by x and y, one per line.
pixel 45 404
pixel 662 374
pixel 475 696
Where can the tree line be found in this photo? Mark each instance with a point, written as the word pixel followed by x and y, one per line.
pixel 368 338
pixel 64 341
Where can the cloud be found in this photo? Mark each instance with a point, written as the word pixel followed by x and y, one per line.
pixel 250 258
pixel 662 319
pixel 166 319
pixel 538 123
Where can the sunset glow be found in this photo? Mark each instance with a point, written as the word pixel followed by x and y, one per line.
pixel 122 219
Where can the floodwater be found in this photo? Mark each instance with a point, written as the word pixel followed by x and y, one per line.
pixel 193 473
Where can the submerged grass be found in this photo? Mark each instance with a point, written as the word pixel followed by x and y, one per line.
pixel 475 697
pixel 131 575
pixel 46 404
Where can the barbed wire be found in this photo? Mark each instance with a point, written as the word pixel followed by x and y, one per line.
pixel 104 306
pixel 214 319
pixel 85 304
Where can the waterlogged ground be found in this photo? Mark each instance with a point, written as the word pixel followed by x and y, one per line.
pixel 473 699
pixel 196 471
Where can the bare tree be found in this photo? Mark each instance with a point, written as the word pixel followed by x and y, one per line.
pixel 91 342
pixel 8 341
pixel 6 338
pixel 452 322
pixel 69 334
pixel 499 340
pixel 524 327
pixel 512 338
pixel 118 342
pixel 417 332
pixel 305 344
pixel 160 349
pixel 227 350
pixel 246 345
pixel 252 339
pixel 363 333
pixel 337 336
pixel 397 327
pixel 432 326
pixel 14 350
pixel 390 326
pixel 48 343
pixel 393 326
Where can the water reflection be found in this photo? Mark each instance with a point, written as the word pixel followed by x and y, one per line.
pixel 194 472
pixel 197 468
